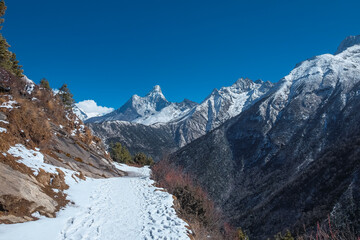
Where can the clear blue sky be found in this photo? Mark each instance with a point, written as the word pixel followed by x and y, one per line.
pixel 111 49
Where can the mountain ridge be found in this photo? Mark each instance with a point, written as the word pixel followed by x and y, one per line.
pixel 272 150
pixel 182 128
pixel 150 109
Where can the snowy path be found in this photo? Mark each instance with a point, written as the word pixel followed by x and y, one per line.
pixel 128 208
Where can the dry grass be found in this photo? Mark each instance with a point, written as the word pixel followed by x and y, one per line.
pixel 28 123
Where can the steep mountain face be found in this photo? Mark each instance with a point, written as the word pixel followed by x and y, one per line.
pixel 154 140
pixel 218 107
pixel 159 127
pixel 291 158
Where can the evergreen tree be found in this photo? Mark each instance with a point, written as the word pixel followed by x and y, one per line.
pixel 150 161
pixel 2 12
pixel 5 55
pixel 241 234
pixel 44 83
pixel 120 153
pixel 7 59
pixel 15 67
pixel 287 236
pixel 142 159
pixel 66 96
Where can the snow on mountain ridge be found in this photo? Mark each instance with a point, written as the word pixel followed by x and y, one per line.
pixel 88 108
pixel 228 102
pixel 348 42
pixel 320 73
pixel 150 109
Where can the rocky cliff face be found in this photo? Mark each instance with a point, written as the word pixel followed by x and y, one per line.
pixel 159 127
pixel 292 157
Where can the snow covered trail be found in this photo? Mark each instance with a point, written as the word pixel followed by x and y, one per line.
pixel 128 208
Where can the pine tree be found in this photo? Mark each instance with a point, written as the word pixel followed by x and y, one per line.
pixel 120 153
pixel 7 59
pixel 15 67
pixel 241 234
pixel 287 236
pixel 44 83
pixel 150 161
pixel 2 12
pixel 141 159
pixel 66 97
pixel 5 55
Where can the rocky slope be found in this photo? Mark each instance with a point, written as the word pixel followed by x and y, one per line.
pixel 159 127
pixel 291 158
pixel 42 144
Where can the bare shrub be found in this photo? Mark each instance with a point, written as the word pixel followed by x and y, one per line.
pixel 329 232
pixel 28 123
pixel 195 206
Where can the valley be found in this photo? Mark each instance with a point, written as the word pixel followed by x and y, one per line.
pixel 250 159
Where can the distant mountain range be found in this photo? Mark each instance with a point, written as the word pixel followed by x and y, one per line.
pixel 153 125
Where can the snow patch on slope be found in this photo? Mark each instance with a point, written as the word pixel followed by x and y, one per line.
pixel 113 209
pixel 29 85
pixel 8 104
pixel 34 159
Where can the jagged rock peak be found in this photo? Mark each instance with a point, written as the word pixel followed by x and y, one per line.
pixel 246 84
pixel 156 90
pixel 242 81
pixel 348 42
pixel 155 94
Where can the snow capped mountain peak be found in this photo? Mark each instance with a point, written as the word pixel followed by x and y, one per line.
pixel 318 77
pixel 348 42
pixel 243 83
pixel 155 99
pixel 156 89
pixel 156 93
pixel 148 110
